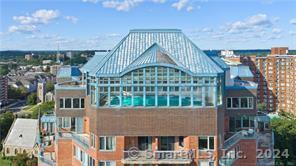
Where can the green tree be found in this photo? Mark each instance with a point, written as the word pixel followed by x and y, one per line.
pixel 6 119
pixel 49 87
pixel 44 108
pixel 32 99
pixel 17 93
pixel 261 107
pixel 284 129
pixel 3 69
pixel 20 159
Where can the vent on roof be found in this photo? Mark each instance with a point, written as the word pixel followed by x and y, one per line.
pixel 21 136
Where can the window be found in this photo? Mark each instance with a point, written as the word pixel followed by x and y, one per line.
pixel 61 103
pixel 144 143
pixel 90 161
pixel 206 143
pixel 107 143
pixel 167 143
pixel 235 102
pixel 92 140
pixel 181 141
pixel 68 103
pixel 76 103
pixel 82 103
pixel 240 102
pixel 107 163
pixel 209 96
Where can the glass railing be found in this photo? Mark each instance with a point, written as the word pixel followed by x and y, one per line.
pixel 158 157
pixel 243 134
pixel 81 139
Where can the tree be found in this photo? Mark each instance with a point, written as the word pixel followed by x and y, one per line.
pixel 44 107
pixel 284 129
pixel 17 93
pixel 261 107
pixel 49 87
pixel 20 159
pixel 32 99
pixel 6 120
pixel 3 69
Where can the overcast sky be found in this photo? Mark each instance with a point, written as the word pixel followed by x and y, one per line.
pixel 100 24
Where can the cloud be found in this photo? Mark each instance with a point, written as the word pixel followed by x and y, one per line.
pixel 180 4
pixel 251 23
pixel 91 1
pixel 72 19
pixel 159 1
pixel 293 21
pixel 42 16
pixel 28 29
pixel 276 30
pixel 206 29
pixel 124 5
pixel 189 8
pixel 292 33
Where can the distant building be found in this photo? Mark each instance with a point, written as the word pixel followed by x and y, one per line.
pixel 45 62
pixel 54 69
pixel 69 54
pixel 41 89
pixel 28 57
pixel 228 53
pixel 276 80
pixel 68 73
pixel 276 77
pixel 22 138
pixel 3 90
pixel 279 50
pixel 31 56
pixel 49 97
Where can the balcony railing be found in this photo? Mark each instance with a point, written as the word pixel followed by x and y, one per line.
pixel 244 134
pixel 80 139
pixel 158 157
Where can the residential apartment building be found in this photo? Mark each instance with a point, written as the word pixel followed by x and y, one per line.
pixel 3 90
pixel 157 99
pixel 275 75
pixel 276 82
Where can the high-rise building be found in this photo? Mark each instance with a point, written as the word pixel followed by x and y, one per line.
pixel 156 98
pixel 275 75
pixel 3 90
pixel 276 82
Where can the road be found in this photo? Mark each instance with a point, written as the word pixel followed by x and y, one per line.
pixel 14 107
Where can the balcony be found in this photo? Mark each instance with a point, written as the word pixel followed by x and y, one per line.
pixel 244 134
pixel 158 157
pixel 81 139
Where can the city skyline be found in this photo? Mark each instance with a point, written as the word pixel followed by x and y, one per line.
pixel 100 24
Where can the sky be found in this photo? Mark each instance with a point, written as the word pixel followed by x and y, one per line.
pixel 101 24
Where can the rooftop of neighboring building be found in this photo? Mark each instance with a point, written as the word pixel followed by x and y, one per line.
pixel 68 71
pixel 23 133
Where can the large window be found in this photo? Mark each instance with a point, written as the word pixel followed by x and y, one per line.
pixel 240 103
pixel 107 143
pixel 205 143
pixel 158 87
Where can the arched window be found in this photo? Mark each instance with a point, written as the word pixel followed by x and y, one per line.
pixel 24 151
pixel 15 151
pixel 7 150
